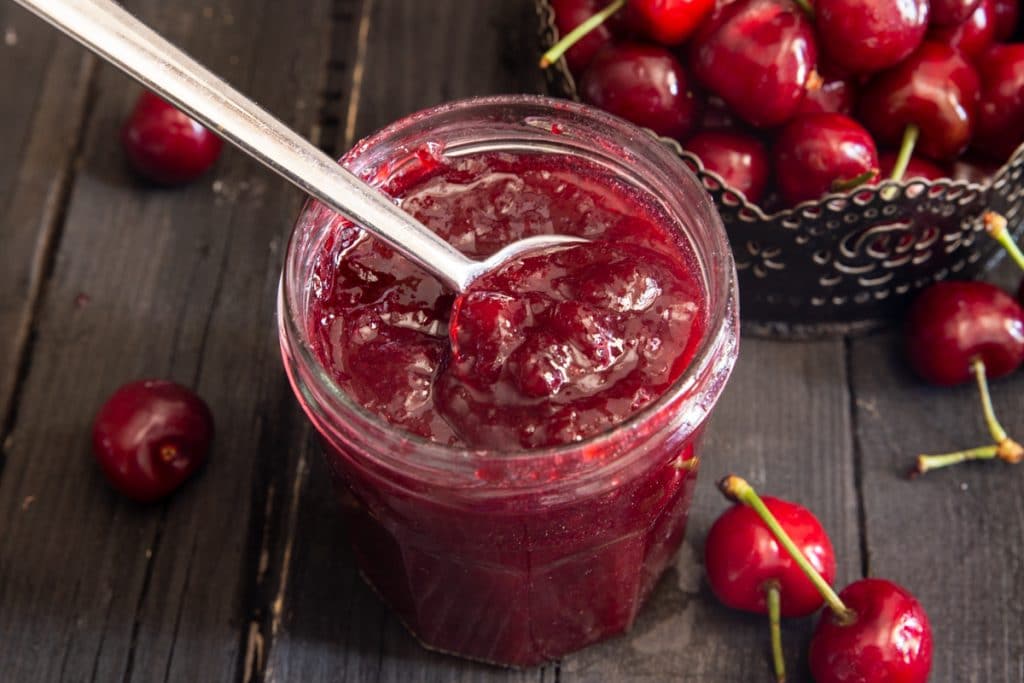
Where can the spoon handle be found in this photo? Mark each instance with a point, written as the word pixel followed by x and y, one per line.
pixel 121 39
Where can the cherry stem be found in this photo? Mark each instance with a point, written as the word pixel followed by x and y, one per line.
pixel 995 226
pixel 737 489
pixel 926 463
pixel 1005 448
pixel 846 184
pixel 910 135
pixel 575 35
pixel 774 625
pixel 806 6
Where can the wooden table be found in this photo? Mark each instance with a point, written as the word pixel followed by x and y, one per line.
pixel 245 574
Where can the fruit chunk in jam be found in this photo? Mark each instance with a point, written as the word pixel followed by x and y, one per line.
pixel 553 348
pixel 556 347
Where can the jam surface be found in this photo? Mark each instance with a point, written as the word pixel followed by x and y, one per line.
pixel 550 349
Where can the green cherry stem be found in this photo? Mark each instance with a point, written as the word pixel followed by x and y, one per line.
pixel 995 226
pixel 775 626
pixel 575 35
pixel 807 7
pixel 910 135
pixel 1004 448
pixel 737 489
pixel 847 184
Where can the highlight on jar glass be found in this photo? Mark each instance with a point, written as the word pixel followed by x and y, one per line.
pixel 515 463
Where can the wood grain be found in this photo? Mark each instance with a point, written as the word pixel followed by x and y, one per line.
pixel 953 537
pixel 47 80
pixel 172 283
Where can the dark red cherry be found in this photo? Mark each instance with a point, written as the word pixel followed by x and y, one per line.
pixel 973 36
pixel 952 12
pixel 950 324
pixel 1000 128
pixel 1007 14
pixel 571 13
pixel 150 436
pixel 936 89
pixel 917 168
pixel 863 36
pixel 668 22
pixel 832 96
pixel 821 153
pixel 757 55
pixel 888 639
pixel 165 145
pixel 741 556
pixel 644 84
pixel 740 159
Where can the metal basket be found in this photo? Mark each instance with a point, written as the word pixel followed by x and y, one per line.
pixel 847 262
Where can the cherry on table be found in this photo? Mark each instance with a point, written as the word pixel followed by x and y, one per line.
pixel 885 638
pixel 866 635
pixel 934 90
pixel 973 36
pixel 644 84
pixel 740 159
pixel 957 331
pixel 758 56
pixel 165 145
pixel 864 36
pixel 952 12
pixel 821 153
pixel 1000 128
pixel 150 436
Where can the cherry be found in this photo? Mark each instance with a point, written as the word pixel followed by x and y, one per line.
pixel 165 145
pixel 956 331
pixel 569 14
pixel 1000 128
pixel 867 636
pixel 886 638
pixel 644 84
pixel 740 159
pixel 743 559
pixel 917 167
pixel 821 153
pixel 150 436
pixel 952 12
pixel 832 96
pixel 758 56
pixel 1006 13
pixel 972 37
pixel 863 36
pixel 934 90
pixel 952 323
pixel 668 22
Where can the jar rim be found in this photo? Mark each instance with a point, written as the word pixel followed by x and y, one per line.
pixel 712 362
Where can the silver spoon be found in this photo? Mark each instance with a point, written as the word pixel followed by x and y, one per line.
pixel 121 39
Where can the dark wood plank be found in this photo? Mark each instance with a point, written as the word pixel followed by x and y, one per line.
pixel 952 537
pixel 784 424
pixel 332 627
pixel 176 284
pixel 47 81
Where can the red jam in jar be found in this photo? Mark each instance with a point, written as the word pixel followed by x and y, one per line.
pixel 515 463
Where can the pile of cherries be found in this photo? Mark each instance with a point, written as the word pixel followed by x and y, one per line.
pixel 827 96
pixel 771 556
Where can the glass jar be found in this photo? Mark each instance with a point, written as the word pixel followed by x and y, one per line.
pixel 518 558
